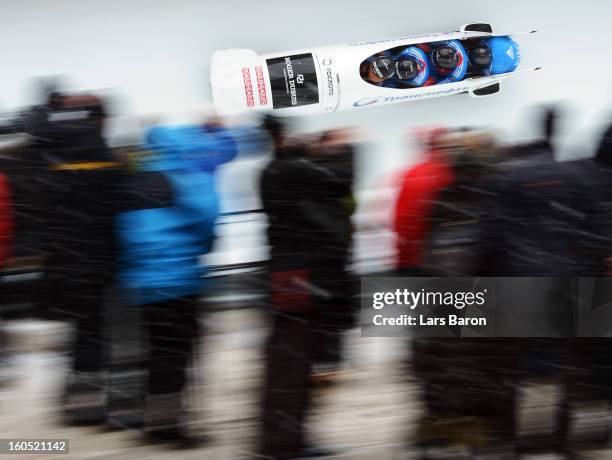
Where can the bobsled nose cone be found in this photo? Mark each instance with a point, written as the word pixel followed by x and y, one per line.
pixel 227 79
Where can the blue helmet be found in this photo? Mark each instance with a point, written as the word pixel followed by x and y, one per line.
pixel 411 66
pixel 505 54
pixel 495 55
pixel 449 55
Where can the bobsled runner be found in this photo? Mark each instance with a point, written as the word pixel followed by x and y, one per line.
pixel 474 60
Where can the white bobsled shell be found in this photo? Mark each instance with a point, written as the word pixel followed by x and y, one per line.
pixel 241 80
pixel 226 79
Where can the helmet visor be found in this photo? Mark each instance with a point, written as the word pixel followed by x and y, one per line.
pixel 406 68
pixel 382 68
pixel 480 56
pixel 445 57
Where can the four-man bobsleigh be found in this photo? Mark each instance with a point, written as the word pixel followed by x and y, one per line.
pixel 474 60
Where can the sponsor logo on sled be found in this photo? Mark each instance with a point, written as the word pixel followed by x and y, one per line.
pixel 248 88
pixel 388 99
pixel 261 85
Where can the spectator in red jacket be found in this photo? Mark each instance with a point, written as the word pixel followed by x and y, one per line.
pixel 419 187
pixel 6 222
pixel 6 241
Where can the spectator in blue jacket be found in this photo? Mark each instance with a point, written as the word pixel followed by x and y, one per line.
pixel 168 226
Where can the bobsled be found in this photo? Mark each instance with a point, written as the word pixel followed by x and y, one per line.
pixel 473 60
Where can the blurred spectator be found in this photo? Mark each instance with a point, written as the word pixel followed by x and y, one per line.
pixel 6 242
pixel 23 173
pixel 547 223
pixel 547 124
pixel 467 382
pixel 167 226
pixel 603 163
pixel 6 222
pixel 528 216
pixel 452 245
pixel 588 392
pixel 545 212
pixel 78 188
pixel 308 235
pixel 335 155
pixel 604 150
pixel 419 188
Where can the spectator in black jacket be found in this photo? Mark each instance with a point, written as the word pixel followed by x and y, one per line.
pixel 78 193
pixel 468 401
pixel 547 223
pixel 335 154
pixel 296 196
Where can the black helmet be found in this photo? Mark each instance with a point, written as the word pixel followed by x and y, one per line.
pixel 445 57
pixel 406 68
pixel 480 55
pixel 382 67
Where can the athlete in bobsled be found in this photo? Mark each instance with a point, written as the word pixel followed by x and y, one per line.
pixel 403 68
pixel 378 69
pixel 448 61
pixel 411 69
pixel 492 56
